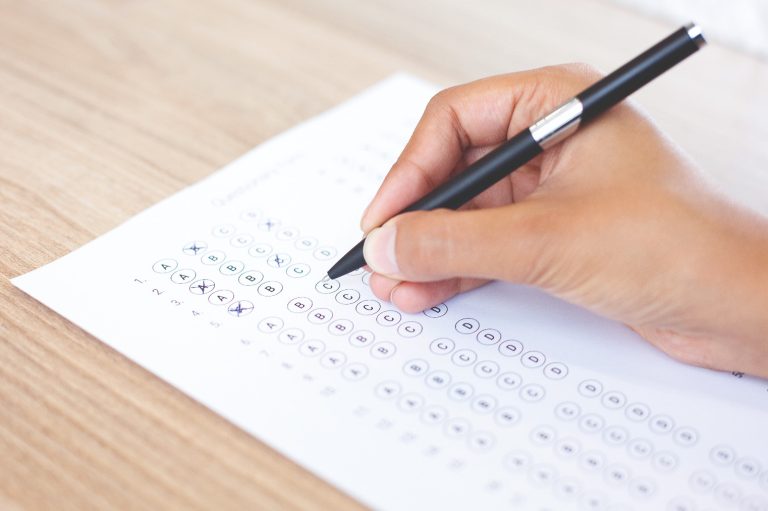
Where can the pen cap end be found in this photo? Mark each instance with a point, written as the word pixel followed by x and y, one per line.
pixel 695 33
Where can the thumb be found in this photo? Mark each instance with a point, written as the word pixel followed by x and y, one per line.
pixel 505 243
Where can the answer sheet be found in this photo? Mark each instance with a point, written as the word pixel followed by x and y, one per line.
pixel 502 398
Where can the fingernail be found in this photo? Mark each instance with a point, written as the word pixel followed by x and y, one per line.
pixel 392 294
pixel 379 250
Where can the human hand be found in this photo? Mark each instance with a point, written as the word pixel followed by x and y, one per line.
pixel 614 219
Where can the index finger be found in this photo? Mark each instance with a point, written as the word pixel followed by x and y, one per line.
pixel 478 114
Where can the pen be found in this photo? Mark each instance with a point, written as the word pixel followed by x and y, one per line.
pixel 548 131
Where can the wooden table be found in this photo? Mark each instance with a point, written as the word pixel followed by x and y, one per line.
pixel 108 106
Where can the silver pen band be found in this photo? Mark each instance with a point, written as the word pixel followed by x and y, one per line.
pixel 557 125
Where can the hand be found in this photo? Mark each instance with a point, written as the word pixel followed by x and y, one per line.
pixel 614 219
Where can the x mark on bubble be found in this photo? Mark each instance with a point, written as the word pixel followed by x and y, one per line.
pixel 240 309
pixel 194 248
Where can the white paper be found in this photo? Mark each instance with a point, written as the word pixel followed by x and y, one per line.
pixel 468 429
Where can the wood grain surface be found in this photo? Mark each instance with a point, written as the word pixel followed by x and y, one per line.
pixel 108 106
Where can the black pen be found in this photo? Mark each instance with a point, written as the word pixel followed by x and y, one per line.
pixel 548 131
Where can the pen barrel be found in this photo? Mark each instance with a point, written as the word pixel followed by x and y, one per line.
pixel 460 189
pixel 482 174
pixel 612 89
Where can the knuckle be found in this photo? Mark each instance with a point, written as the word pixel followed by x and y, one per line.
pixel 443 100
pixel 438 101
